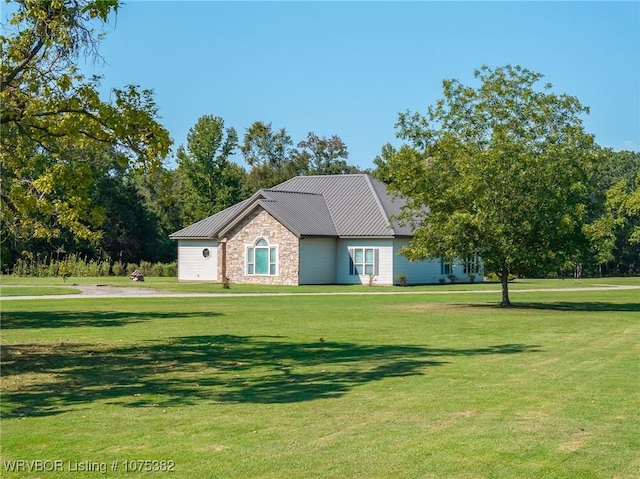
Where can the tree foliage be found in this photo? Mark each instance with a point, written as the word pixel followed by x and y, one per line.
pixel 324 156
pixel 383 170
pixel 271 156
pixel 212 182
pixel 614 227
pixel 54 127
pixel 500 170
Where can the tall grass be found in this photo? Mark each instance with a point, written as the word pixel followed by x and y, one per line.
pixel 48 266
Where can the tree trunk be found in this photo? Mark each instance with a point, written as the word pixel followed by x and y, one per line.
pixel 505 287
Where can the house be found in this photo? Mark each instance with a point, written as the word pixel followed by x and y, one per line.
pixel 309 230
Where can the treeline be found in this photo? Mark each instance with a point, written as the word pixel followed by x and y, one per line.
pixel 132 211
pixel 610 243
pixel 123 215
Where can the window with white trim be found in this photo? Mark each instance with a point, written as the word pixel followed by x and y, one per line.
pixel 364 261
pixel 262 258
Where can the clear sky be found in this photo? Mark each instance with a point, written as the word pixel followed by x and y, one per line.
pixel 349 68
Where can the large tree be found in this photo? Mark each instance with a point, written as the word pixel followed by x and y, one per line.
pixel 271 156
pixel 614 229
pixel 212 181
pixel 53 124
pixel 325 156
pixel 498 170
pixel 382 163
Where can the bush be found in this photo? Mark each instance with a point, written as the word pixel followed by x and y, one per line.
pixel 117 268
pixel 104 268
pixel 145 268
pixel 44 266
pixel 171 270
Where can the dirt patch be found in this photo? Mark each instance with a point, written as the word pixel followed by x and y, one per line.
pixel 105 290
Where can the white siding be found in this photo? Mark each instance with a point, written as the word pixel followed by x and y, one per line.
pixel 192 265
pixel 417 272
pixel 317 261
pixel 426 271
pixel 385 265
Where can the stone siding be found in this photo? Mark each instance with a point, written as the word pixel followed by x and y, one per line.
pixel 260 224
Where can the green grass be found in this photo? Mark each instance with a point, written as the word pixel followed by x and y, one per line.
pixel 8 283
pixel 24 290
pixel 433 386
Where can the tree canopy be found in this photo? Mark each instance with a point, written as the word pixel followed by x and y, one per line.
pixel 325 156
pixel 54 127
pixel 271 156
pixel 212 181
pixel 500 170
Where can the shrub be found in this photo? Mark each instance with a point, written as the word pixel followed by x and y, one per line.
pixel 145 268
pixel 171 270
pixel 117 268
pixel 401 278
pixel 45 266
pixel 93 269
pixel 156 270
pixel 64 270
pixel 104 268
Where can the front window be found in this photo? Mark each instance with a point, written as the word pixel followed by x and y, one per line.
pixel 262 258
pixel 364 261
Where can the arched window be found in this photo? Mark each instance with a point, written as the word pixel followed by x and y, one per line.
pixel 262 258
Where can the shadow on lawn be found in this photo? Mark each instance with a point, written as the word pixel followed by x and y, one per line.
pixel 580 306
pixel 96 319
pixel 189 370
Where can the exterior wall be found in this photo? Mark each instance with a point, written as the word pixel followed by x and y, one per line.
pixel 417 272
pixel 385 265
pixel 192 265
pixel 260 224
pixel 426 271
pixel 318 261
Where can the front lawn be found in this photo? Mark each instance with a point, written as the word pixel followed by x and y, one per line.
pixel 430 386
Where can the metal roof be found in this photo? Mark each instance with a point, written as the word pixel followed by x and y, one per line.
pixel 209 227
pixel 331 205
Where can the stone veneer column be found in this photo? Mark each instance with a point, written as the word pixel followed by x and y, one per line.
pixel 260 224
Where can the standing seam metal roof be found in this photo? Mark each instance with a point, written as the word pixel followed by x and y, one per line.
pixel 331 205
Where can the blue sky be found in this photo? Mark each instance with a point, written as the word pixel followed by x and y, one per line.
pixel 349 68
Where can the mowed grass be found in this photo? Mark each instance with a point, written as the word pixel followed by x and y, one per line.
pixel 24 286
pixel 429 386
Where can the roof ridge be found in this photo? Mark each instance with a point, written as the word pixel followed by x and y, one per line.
pixel 295 192
pixel 327 176
pixel 383 210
